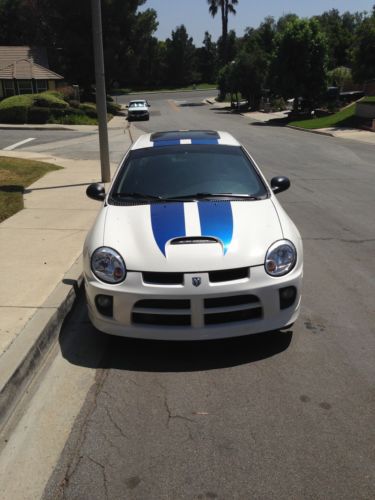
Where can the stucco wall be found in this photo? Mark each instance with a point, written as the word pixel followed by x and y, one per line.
pixel 365 110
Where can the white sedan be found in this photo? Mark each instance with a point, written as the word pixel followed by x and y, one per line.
pixel 191 243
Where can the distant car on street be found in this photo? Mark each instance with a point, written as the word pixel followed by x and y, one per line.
pixel 191 243
pixel 138 110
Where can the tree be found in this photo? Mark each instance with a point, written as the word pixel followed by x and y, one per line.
pixel 65 28
pixel 226 8
pixel 340 32
pixel 207 60
pixel 229 49
pixel 180 57
pixel 364 51
pixel 340 77
pixel 300 64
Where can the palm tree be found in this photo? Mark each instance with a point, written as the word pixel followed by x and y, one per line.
pixel 226 7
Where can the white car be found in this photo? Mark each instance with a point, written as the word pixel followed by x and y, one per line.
pixel 138 110
pixel 191 243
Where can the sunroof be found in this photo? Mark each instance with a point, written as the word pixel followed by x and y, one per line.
pixel 177 135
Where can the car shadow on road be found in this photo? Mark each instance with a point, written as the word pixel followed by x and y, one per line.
pixel 81 344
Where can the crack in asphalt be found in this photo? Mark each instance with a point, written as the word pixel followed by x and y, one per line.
pixel 75 461
pixel 115 424
pixel 104 475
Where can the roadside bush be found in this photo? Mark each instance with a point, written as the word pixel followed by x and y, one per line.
pixel 74 104
pixel 113 108
pixel 89 109
pixel 13 114
pixel 50 100
pixel 278 104
pixel 61 113
pixel 38 115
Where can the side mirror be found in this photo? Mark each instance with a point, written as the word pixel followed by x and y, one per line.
pixel 96 191
pixel 280 184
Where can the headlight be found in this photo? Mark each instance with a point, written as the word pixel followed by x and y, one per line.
pixel 280 258
pixel 108 265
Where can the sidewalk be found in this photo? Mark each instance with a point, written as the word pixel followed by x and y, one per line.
pixel 341 132
pixel 41 266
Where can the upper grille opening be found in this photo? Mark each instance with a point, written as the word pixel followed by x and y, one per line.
pixel 228 275
pixel 163 278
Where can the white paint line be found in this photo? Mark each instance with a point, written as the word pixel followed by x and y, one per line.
pixel 14 146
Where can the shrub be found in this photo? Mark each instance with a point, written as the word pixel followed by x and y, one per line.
pixel 57 113
pixel 113 108
pixel 74 104
pixel 278 104
pixel 50 100
pixel 89 109
pixel 38 115
pixel 14 114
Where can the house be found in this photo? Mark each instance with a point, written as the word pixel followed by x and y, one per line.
pixel 24 70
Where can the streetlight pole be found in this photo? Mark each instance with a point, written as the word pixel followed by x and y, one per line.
pixel 101 100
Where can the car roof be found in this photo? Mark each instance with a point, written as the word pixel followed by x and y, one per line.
pixel 177 137
pixel 137 100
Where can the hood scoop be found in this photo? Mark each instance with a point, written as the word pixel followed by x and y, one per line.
pixel 194 240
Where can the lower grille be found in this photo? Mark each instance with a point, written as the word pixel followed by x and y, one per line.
pixel 168 312
pixel 177 312
pixel 231 309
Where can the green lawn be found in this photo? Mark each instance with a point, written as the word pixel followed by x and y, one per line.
pixel 15 175
pixel 343 118
pixel 339 119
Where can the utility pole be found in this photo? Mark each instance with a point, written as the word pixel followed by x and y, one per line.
pixel 101 100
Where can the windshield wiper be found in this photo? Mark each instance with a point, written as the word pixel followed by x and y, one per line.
pixel 204 196
pixel 137 195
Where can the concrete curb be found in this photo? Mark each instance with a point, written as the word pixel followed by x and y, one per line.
pixel 30 348
pixel 311 131
pixel 33 127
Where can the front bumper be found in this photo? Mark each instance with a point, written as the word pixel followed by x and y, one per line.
pixel 140 115
pixel 187 312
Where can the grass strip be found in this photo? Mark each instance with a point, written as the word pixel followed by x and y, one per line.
pixel 15 175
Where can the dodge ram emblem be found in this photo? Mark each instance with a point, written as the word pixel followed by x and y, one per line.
pixel 196 281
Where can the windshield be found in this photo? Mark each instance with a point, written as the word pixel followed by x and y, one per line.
pixel 138 104
pixel 179 171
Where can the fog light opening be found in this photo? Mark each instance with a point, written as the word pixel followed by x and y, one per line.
pixel 287 296
pixel 104 304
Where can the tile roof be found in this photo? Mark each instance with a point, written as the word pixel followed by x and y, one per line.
pixel 26 70
pixel 24 63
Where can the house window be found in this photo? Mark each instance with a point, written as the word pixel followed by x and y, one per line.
pixel 8 88
pixel 25 87
pixel 41 85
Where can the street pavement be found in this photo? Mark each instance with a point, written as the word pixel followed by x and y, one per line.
pixel 41 249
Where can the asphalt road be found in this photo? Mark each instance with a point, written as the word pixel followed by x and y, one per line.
pixel 275 416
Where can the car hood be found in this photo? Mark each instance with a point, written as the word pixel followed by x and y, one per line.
pixel 190 237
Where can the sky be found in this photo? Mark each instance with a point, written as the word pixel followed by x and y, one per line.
pixel 196 18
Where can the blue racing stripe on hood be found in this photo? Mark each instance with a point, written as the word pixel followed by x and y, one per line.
pixel 172 142
pixel 168 221
pixel 216 220
pixel 204 141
